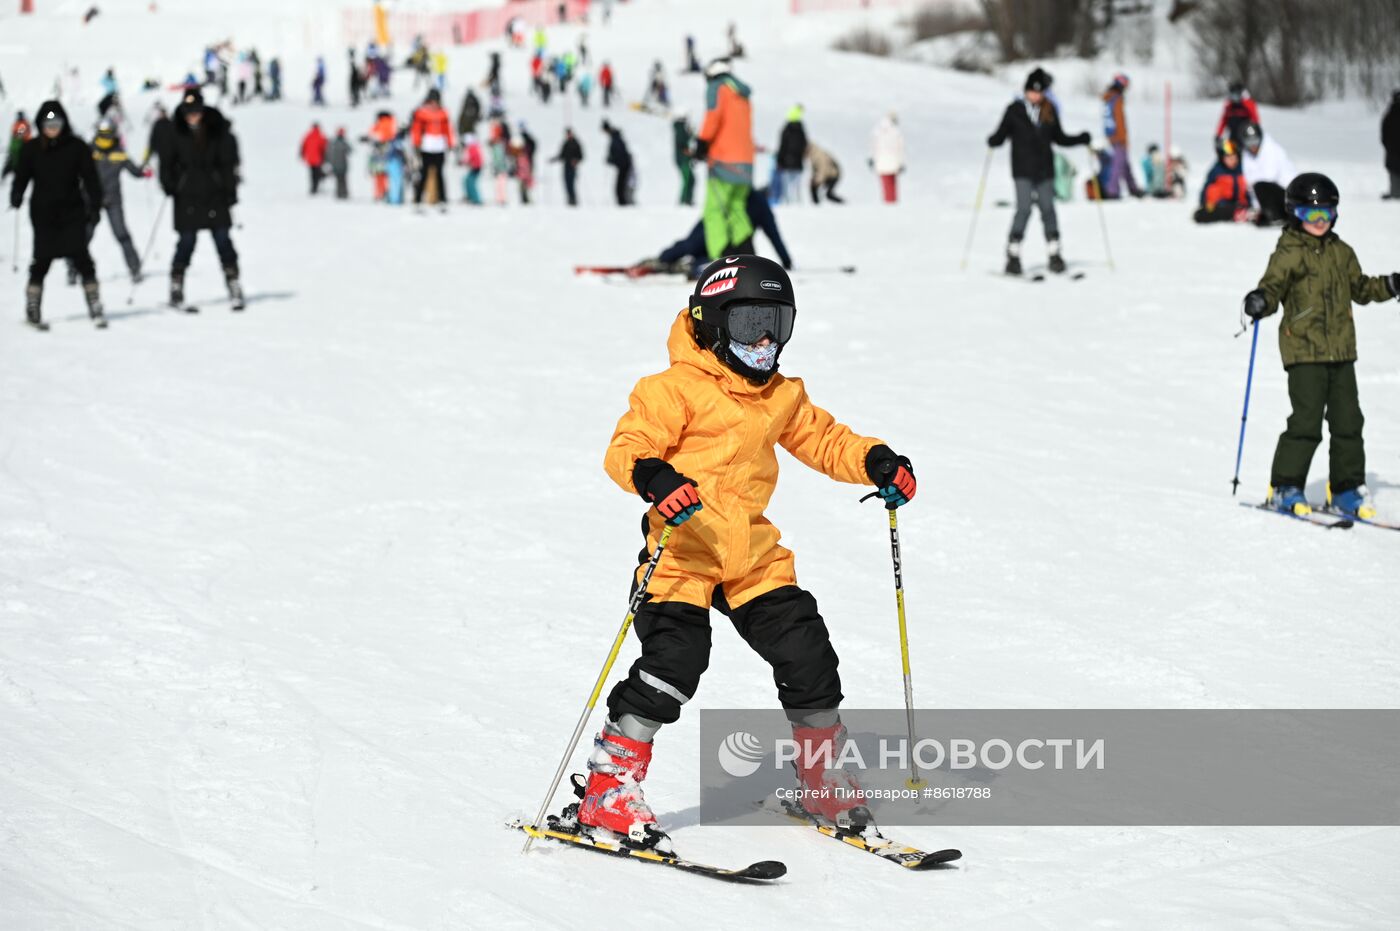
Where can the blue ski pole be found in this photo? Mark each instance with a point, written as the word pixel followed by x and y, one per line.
pixel 1244 417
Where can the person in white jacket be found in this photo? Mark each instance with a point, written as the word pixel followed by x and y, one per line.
pixel 1267 170
pixel 887 155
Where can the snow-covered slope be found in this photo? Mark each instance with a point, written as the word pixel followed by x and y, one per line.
pixel 298 606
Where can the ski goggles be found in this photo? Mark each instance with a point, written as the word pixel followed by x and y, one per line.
pixel 749 323
pixel 51 119
pixel 1312 213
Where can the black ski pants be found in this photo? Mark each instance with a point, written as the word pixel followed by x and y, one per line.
pixel 184 249
pixel 81 263
pixel 432 162
pixel 782 626
pixel 570 182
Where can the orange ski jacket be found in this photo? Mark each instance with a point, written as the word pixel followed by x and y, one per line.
pixel 719 430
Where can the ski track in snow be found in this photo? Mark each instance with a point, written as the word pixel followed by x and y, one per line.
pixel 297 605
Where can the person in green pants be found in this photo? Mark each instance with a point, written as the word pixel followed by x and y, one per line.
pixel 683 140
pixel 1316 278
pixel 725 141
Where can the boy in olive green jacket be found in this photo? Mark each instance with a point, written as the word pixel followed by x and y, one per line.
pixel 1316 277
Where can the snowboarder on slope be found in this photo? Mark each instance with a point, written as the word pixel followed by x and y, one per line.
pixel 708 426
pixel 1316 278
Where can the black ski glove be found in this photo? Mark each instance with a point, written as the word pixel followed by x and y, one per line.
pixel 673 494
pixel 1256 305
pixel 1393 280
pixel 891 474
pixel 702 150
pixel 1083 139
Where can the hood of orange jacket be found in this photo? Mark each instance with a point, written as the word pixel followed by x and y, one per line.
pixel 721 431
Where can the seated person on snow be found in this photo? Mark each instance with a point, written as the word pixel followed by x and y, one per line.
pixel 1225 194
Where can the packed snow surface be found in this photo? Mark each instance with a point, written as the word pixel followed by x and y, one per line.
pixel 298 606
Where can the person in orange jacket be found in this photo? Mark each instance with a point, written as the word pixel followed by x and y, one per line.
pixel 708 426
pixel 725 142
pixel 379 136
pixel 1225 196
pixel 431 132
pixel 313 153
pixel 1115 127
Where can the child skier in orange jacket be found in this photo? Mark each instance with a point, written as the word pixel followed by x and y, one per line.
pixel 707 426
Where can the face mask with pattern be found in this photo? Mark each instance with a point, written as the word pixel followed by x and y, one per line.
pixel 760 358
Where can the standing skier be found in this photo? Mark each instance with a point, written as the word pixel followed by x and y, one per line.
pixel 1032 123
pixel 65 203
pixel 1239 111
pixel 725 141
pixel 338 157
pixel 708 426
pixel 1390 140
pixel 313 153
pixel 111 160
pixel 887 156
pixel 683 151
pixel 620 157
pixel 1115 127
pixel 605 81
pixel 570 154
pixel 792 149
pixel 432 137
pixel 20 133
pixel 202 175
pixel 1316 278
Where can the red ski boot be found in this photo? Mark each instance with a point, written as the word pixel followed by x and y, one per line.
pixel 612 798
pixel 831 793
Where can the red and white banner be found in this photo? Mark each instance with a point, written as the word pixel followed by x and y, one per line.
pixel 439 29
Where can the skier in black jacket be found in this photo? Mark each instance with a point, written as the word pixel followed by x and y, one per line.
pixel 201 174
pixel 67 198
pixel 571 154
pixel 1032 123
pixel 620 157
pixel 1390 139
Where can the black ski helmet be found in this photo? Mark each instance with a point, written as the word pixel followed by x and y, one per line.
pixel 743 298
pixel 1311 189
pixel 1251 136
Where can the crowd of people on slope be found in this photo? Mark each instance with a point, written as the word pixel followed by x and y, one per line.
pixel 72 184
pixel 1247 183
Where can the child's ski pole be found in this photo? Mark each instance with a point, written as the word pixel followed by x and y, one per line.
pixel 915 781
pixel 1248 381
pixel 977 206
pixel 632 608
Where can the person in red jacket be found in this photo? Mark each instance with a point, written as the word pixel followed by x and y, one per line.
pixel 313 153
pixel 605 81
pixel 1240 110
pixel 431 132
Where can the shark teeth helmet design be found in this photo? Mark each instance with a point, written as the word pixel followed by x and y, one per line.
pixel 738 302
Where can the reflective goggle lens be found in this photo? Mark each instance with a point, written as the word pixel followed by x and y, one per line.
pixel 1310 213
pixel 749 323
